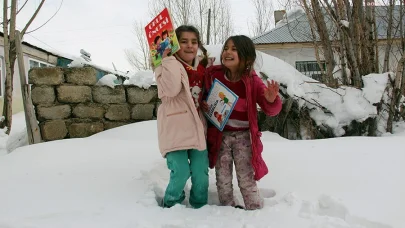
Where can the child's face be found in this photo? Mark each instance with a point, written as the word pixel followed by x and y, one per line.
pixel 230 57
pixel 188 47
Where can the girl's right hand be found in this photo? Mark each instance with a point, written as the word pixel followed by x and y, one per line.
pixel 204 106
pixel 166 52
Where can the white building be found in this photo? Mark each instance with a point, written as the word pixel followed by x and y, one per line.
pixel 291 40
pixel 33 57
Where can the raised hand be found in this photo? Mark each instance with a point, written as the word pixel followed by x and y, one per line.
pixel 271 92
pixel 211 61
pixel 166 52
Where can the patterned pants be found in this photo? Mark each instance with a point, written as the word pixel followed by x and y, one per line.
pixel 236 147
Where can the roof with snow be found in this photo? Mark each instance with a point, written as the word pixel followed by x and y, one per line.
pixel 295 27
pixel 74 61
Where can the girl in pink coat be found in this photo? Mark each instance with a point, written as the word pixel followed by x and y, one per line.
pixel 181 125
pixel 239 143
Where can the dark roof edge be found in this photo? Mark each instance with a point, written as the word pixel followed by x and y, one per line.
pixel 38 48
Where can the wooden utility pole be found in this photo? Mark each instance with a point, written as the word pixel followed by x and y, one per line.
pixel 209 26
pixel 34 135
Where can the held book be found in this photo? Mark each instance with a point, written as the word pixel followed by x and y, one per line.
pixel 160 34
pixel 221 101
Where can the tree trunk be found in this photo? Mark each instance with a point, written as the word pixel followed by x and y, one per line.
pixel 376 67
pixel 338 14
pixel 311 22
pixel 326 43
pixel 389 40
pixel 8 98
pixel 401 24
pixel 33 132
pixel 396 92
pixel 353 44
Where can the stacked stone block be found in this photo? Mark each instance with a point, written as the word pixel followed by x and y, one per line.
pixel 69 104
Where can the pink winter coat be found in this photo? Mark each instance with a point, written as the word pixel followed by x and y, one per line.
pixel 179 123
pixel 254 95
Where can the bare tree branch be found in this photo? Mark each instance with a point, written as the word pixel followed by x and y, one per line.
pixel 263 17
pixel 203 18
pixel 5 21
pixel 139 58
pixel 8 20
pixel 185 11
pixel 181 11
pixel 32 18
pixel 389 33
pixel 60 6
pixel 22 6
pixel 221 21
pixel 13 16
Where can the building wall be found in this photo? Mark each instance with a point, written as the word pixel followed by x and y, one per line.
pixel 28 53
pixel 292 55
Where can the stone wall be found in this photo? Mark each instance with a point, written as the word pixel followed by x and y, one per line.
pixel 69 104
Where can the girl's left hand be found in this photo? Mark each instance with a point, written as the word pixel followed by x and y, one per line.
pixel 211 61
pixel 204 106
pixel 166 52
pixel 271 92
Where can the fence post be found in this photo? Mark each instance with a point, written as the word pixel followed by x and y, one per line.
pixel 34 135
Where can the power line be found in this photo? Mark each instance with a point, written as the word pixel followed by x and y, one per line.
pixel 47 20
pixel 87 29
pixel 43 42
pixel 88 39
pixel 35 38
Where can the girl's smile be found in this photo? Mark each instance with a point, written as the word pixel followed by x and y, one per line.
pixel 230 57
pixel 188 47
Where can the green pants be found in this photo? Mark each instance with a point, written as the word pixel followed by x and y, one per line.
pixel 180 170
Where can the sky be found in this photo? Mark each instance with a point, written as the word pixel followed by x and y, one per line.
pixel 101 27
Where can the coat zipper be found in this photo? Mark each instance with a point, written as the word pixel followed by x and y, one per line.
pixel 177 113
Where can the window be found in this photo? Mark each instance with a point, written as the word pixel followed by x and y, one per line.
pixel 310 68
pixel 36 63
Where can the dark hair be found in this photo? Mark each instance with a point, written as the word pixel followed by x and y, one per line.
pixel 246 53
pixel 190 28
pixel 156 39
pixel 165 32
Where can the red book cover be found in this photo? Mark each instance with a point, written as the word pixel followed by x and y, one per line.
pixel 161 34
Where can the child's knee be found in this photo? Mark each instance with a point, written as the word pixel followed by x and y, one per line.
pixel 199 171
pixel 180 170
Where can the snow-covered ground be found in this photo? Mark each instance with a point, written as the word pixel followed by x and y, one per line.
pixel 18 135
pixel 115 178
pixel 112 179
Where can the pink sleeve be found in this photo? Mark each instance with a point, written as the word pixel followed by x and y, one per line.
pixel 168 77
pixel 271 109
